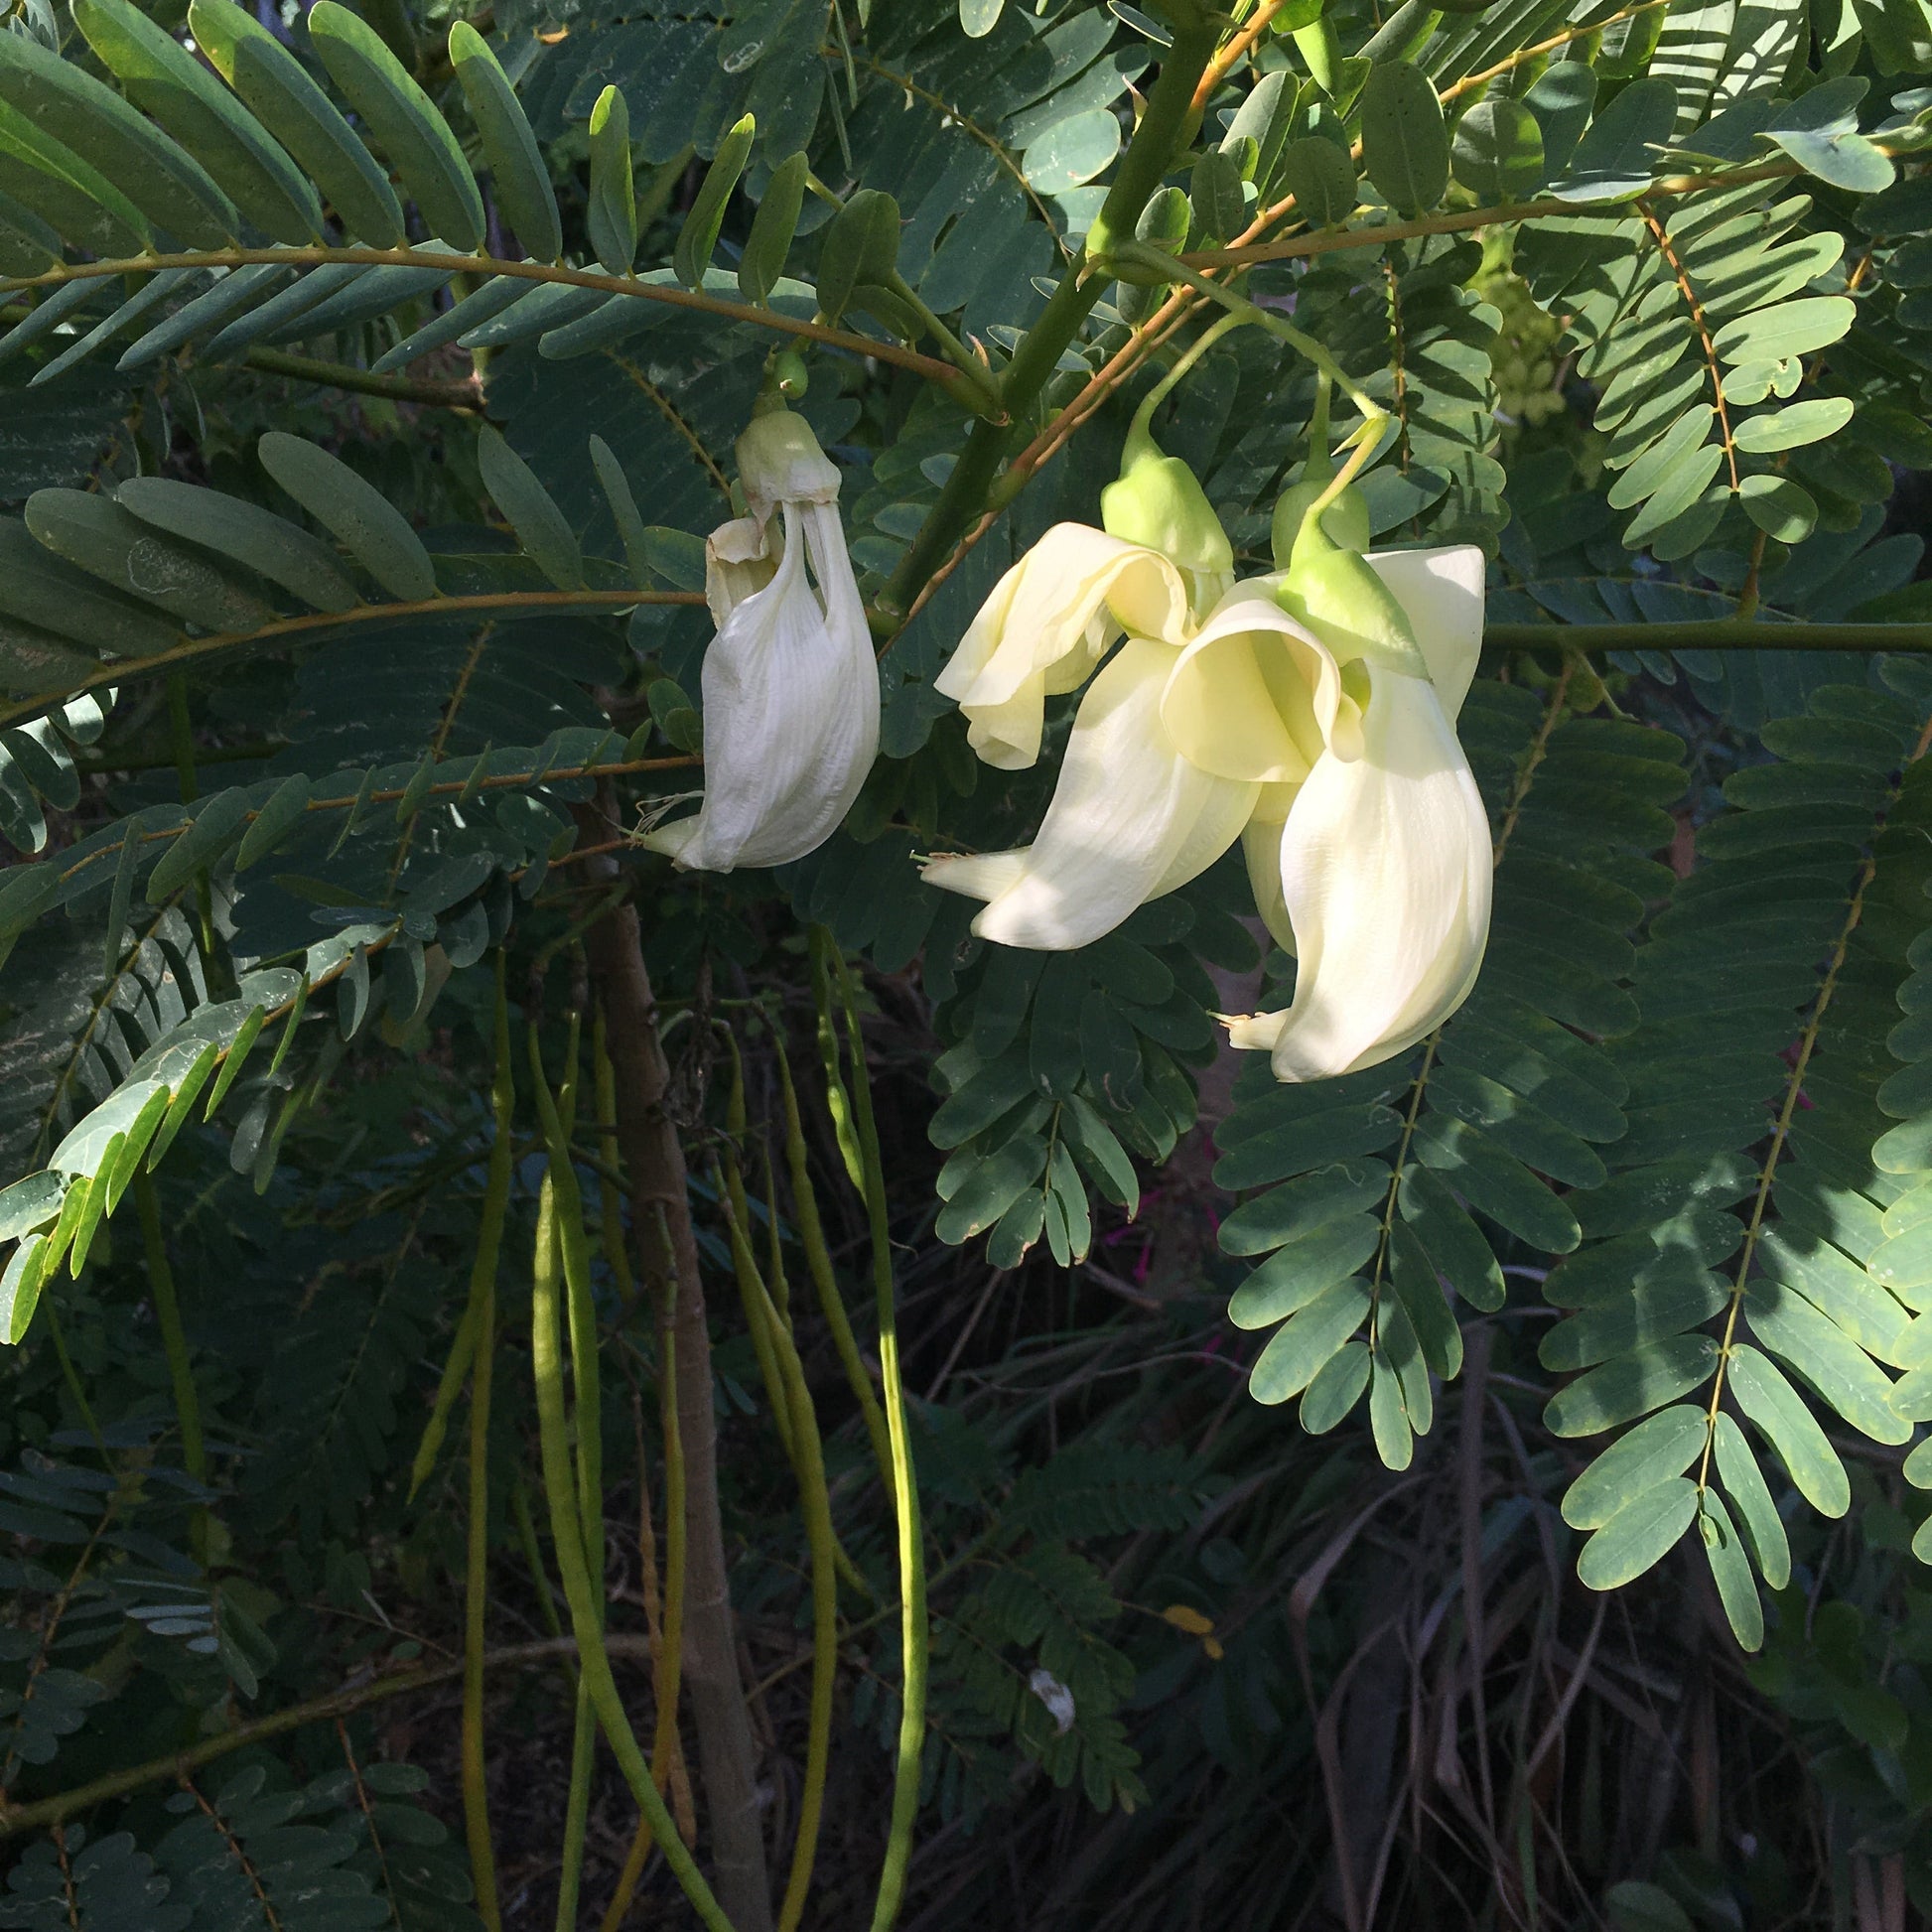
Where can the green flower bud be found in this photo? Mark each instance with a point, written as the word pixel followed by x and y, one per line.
pixel 1344 521
pixel 1159 502
pixel 778 458
pixel 1333 592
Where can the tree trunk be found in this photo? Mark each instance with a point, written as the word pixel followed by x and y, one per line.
pixel 661 1217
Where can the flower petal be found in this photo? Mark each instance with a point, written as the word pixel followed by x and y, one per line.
pixel 736 564
pixel 1441 592
pixel 1253 696
pixel 1129 819
pixel 1386 871
pixel 1066 599
pixel 790 710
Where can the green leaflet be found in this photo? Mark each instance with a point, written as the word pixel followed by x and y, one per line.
pixel 266 543
pixel 1657 1449
pixel 1304 1342
pixel 540 526
pixel 1405 144
pixel 1497 152
pixel 1639 1536
pixel 860 249
pixel 1768 1400
pixel 762 264
pixel 613 213
pixel 277 88
pixel 1321 175
pixel 1731 1571
pixel 168 186
pixel 691 255
pixel 107 542
pixel 75 198
pixel 1744 1480
pixel 359 516
pixel 163 77
pixel 404 121
pixel 522 180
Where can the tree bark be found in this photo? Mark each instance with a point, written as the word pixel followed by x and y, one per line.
pixel 661 1217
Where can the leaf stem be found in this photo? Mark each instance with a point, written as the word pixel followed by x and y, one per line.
pixel 567 1532
pixel 928 366
pixel 1165 126
pixel 465 396
pixel 174 1342
pixel 914 1633
pixel 1236 304
pixel 476 1575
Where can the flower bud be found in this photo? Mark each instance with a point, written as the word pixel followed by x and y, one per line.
pixel 779 461
pixel 1159 502
pixel 1344 521
pixel 1334 593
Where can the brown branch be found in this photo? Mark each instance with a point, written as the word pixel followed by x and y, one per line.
pixel 654 1159
pixel 465 394
pixel 928 366
pixel 1239 44
pixel 1458 220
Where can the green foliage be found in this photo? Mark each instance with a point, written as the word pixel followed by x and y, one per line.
pixel 308 707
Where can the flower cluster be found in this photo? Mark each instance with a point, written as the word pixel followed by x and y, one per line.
pixel 1310 713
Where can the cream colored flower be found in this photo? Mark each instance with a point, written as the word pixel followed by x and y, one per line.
pixel 1171 749
pixel 791 682
pixel 1161 560
pixel 1382 853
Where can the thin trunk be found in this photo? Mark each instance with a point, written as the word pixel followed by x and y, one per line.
pixel 661 1216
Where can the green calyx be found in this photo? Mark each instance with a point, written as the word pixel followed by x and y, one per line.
pixel 1159 502
pixel 1332 592
pixel 1345 522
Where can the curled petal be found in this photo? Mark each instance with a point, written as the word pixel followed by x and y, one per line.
pixel 1385 866
pixel 1441 592
pixel 790 710
pixel 1256 697
pixel 1129 819
pixel 1048 621
pixel 736 564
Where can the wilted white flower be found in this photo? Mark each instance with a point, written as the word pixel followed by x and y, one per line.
pixel 791 682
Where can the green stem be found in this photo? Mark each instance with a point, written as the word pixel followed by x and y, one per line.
pixel 1165 126
pixel 567 1532
pixel 526 1536
pixel 1238 305
pixel 482 1315
pixel 818 1260
pixel 971 367
pixel 76 1387
pixel 465 396
pixel 577 1806
pixel 337 1703
pixel 669 1661
pixel 815 1502
pixel 914 1633
pixel 1141 430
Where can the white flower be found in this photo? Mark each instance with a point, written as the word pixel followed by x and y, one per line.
pixel 1162 559
pixel 1169 752
pixel 1383 851
pixel 791 682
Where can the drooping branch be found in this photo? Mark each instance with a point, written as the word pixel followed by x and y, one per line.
pixel 486 603
pixel 934 370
